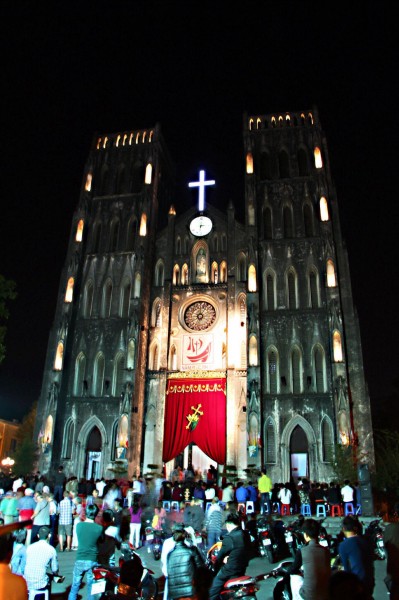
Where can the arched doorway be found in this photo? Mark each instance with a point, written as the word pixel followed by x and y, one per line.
pixel 191 455
pixel 93 454
pixel 299 453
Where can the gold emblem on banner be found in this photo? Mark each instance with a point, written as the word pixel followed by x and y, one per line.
pixel 194 417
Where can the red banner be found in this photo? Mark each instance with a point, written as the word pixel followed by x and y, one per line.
pixel 195 411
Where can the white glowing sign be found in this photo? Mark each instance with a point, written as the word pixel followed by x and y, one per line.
pixel 201 184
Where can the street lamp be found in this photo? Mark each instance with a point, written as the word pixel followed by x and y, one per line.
pixel 8 463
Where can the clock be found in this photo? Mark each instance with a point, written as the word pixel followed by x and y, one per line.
pixel 201 226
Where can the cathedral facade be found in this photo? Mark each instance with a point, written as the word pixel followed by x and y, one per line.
pixel 199 337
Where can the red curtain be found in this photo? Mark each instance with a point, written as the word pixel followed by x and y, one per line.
pixel 195 411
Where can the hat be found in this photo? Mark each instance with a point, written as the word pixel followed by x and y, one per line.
pixel 29 492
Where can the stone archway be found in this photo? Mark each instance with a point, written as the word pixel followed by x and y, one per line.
pixel 285 446
pixel 83 437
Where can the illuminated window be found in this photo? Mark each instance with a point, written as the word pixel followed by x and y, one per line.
pixel 137 286
pixel 253 351
pixel 292 289
pixel 123 434
pixel 214 272
pixel 272 372
pixel 89 179
pixel 283 164
pixel 150 138
pixel 79 231
pixel 267 222
pixel 280 121
pixel 131 348
pixel 270 292
pixel 125 299
pixel 318 161
pixel 148 174
pixel 251 124
pixel 251 279
pixel 118 139
pixel 98 375
pixel 337 346
pixel 308 220
pixel 118 374
pixel 59 355
pixel 303 167
pixel 274 122
pixel 88 299
pixel 250 164
pixel 184 275
pixel 331 279
pixel 80 371
pixel 287 120
pixel 258 123
pixel 324 215
pixel 288 226
pixel 296 371
pixel 271 455
pixel 265 166
pixel 106 300
pixel 143 225
pixel 303 119
pixel 310 118
pixel 313 289
pixel 176 273
pixel 223 272
pixel 319 369
pixel 48 430
pixel 69 290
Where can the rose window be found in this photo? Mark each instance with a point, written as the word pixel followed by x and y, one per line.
pixel 199 316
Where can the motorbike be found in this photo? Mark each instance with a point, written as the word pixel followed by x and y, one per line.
pixel 157 543
pixel 290 539
pixel 267 544
pixel 374 532
pixel 297 534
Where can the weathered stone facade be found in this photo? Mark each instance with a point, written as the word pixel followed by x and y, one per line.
pixel 284 329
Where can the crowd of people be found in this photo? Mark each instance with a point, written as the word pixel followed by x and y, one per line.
pixel 92 518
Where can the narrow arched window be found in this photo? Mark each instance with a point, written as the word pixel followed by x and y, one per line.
pixel 270 303
pixel 313 290
pixel 283 164
pixel 215 243
pixel 131 234
pixel 88 182
pixel 67 443
pixel 253 351
pixel 156 313
pixel 270 442
pixel 96 238
pixel 148 174
pixel 337 346
pixel 98 375
pixel 319 370
pixel 318 161
pixel 265 166
pixel 327 440
pixel 288 227
pixel 303 167
pixel 143 225
pixel 272 371
pixel 80 372
pixel 296 371
pixel 308 220
pixel 107 299
pixel 291 291
pixel 125 300
pixel 114 440
pixel 178 245
pixel 223 272
pixel 214 273
pixel 224 242
pixel 59 356
pixel 267 223
pixel 251 278
pixel 79 231
pixel 176 275
pixel 331 279
pixel 114 234
pixel 324 214
pixel 154 353
pixel 69 290
pixel 173 359
pixel 118 375
pixel 184 275
pixel 242 267
pixel 250 163
pixel 131 347
pixel 88 300
pixel 159 273
pixel 137 286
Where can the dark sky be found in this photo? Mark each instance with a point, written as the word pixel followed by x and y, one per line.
pixel 195 68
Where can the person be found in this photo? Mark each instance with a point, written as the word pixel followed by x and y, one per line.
pixel 182 564
pixel 100 485
pixel 135 524
pixel 9 508
pixel 284 495
pixel 391 542
pixel 26 506
pixel 109 541
pixel 233 557
pixel 77 513
pixel 264 488
pixel 159 517
pixel 241 493
pixel 315 561
pixel 65 522
pixel 194 514
pixel 213 523
pixel 333 494
pixel 88 533
pixel 12 587
pixel 18 559
pixel 59 483
pixel 40 557
pixel 357 554
pixel 228 493
pixel 347 493
pixel 41 515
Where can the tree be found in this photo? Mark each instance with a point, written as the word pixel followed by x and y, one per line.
pixel 7 292
pixel 387 459
pixel 344 464
pixel 27 449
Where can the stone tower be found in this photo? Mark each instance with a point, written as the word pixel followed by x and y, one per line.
pixel 195 337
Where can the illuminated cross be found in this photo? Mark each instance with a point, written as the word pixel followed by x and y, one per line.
pixel 201 192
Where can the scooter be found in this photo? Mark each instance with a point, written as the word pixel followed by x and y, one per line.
pixel 374 532
pixel 282 589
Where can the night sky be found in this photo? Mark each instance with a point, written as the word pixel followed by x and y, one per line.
pixel 195 68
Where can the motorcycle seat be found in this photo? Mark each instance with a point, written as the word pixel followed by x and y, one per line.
pixel 243 580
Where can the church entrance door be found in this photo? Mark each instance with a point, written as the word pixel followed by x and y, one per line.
pixel 93 454
pixel 299 457
pixel 193 455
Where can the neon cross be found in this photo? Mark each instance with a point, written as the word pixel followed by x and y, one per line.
pixel 201 192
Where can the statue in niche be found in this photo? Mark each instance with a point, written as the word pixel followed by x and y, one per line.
pixel 252 319
pixel 253 436
pixel 201 262
pixel 53 393
pixel 127 393
pixel 341 393
pixel 335 313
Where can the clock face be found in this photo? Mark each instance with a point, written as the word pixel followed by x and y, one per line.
pixel 201 226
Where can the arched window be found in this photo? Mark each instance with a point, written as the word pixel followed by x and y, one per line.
pixel 118 374
pixel 173 358
pixel 292 289
pixel 271 455
pixel 67 443
pixel 242 267
pixel 125 299
pixel 313 289
pixel 107 299
pixel 288 226
pixel 224 242
pixel 79 231
pixel 303 167
pixel 48 430
pixel 143 225
pixel 114 440
pixel 327 440
pixel 319 366
pixel 318 161
pixel 89 179
pixel 113 236
pixel 123 432
pixel 223 272
pixel 131 234
pixel 214 272
pixel 137 286
pixel 265 166
pixel 270 291
pixel 253 351
pixel 148 174
pixel 283 164
pixel 159 273
pixel 337 346
pixel 184 274
pixel 324 214
pixel 178 245
pixel 176 273
pixel 272 372
pixel 296 371
pixel 251 278
pixel 98 375
pixel 268 223
pixel 331 279
pixel 88 299
pixel 69 290
pixel 79 378
pixel 59 356
pixel 250 164
pixel 96 241
pixel 308 220
pixel 156 313
pixel 131 348
pixel 153 358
